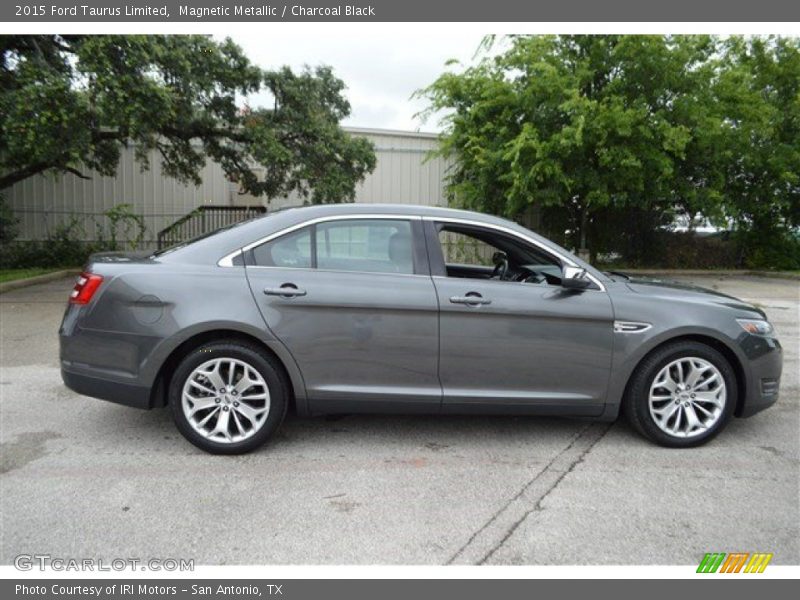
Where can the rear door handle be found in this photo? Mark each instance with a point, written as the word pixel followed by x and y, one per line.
pixel 287 290
pixel 470 299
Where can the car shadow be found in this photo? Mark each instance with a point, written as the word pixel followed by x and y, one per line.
pixel 433 432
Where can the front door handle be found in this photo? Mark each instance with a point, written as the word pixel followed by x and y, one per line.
pixel 287 290
pixel 470 299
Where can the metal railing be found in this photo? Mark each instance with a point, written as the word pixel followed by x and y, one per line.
pixel 203 220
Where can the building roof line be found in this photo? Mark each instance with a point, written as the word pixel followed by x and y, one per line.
pixel 392 132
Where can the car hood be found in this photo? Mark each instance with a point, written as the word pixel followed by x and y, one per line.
pixel 677 291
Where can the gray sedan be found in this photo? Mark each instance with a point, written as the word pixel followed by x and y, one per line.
pixel 351 308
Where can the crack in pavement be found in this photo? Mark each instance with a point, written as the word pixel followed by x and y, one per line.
pixel 514 498
pixel 501 525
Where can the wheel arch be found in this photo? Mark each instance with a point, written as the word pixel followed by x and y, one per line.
pixel 161 382
pixel 702 338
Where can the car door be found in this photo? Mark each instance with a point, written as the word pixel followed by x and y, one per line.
pixel 526 347
pixel 353 301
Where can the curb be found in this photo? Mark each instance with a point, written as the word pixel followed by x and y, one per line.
pixel 714 272
pixel 45 278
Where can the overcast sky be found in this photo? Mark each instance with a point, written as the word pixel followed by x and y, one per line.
pixel 381 71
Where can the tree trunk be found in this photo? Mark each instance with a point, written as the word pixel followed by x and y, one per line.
pixel 10 179
pixel 583 230
pixel 583 251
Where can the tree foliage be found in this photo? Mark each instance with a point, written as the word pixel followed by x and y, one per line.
pixel 626 130
pixel 68 103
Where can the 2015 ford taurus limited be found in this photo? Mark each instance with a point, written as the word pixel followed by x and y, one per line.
pixel 343 309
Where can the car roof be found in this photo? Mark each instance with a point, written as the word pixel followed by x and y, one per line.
pixel 315 211
pixel 322 210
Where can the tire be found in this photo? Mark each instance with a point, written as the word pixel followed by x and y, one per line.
pixel 688 417
pixel 237 420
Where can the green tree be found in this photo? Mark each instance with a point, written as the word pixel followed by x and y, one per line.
pixel 68 103
pixel 758 92
pixel 583 123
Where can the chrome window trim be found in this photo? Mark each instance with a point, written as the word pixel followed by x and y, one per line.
pixel 525 238
pixel 318 270
pixel 227 260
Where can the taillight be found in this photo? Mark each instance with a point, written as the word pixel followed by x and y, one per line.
pixel 85 287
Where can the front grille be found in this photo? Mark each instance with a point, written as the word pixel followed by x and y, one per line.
pixel 769 386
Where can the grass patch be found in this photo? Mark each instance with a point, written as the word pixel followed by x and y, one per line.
pixel 14 274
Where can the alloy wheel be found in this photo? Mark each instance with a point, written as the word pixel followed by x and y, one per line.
pixel 687 397
pixel 226 400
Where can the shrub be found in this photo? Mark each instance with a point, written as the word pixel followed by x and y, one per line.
pixel 8 223
pixel 682 250
pixel 62 248
pixel 123 224
pixel 687 250
pixel 65 246
pixel 775 251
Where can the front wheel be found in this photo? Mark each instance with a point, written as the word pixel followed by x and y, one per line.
pixel 228 397
pixel 682 395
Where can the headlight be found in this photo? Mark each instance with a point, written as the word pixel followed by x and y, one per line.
pixel 756 326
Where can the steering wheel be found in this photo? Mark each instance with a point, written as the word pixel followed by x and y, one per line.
pixel 500 260
pixel 535 278
pixel 528 275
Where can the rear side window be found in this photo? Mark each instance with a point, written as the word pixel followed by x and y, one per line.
pixel 375 246
pixel 292 250
pixel 365 245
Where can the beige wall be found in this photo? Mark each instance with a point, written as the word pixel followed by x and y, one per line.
pixel 41 203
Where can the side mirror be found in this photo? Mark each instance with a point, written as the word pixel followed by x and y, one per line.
pixel 574 278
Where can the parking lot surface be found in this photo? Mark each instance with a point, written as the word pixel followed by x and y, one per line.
pixel 85 478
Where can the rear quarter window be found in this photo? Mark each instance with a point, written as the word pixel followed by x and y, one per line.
pixel 292 250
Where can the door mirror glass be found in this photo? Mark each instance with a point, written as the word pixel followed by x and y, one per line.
pixel 574 278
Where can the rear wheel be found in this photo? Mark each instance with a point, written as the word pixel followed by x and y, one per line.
pixel 682 395
pixel 228 397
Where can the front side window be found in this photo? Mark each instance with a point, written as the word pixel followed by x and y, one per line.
pixel 471 252
pixel 460 248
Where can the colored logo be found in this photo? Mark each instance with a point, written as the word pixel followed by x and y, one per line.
pixel 735 562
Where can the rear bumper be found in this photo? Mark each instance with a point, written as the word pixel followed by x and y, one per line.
pixel 106 389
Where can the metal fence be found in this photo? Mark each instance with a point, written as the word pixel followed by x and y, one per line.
pixel 137 232
pixel 203 220
pixel 93 226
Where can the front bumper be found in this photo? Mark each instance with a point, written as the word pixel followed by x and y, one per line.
pixel 764 366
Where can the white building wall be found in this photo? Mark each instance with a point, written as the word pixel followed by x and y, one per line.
pixel 404 174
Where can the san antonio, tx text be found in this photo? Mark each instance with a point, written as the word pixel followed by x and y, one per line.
pixel 130 589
